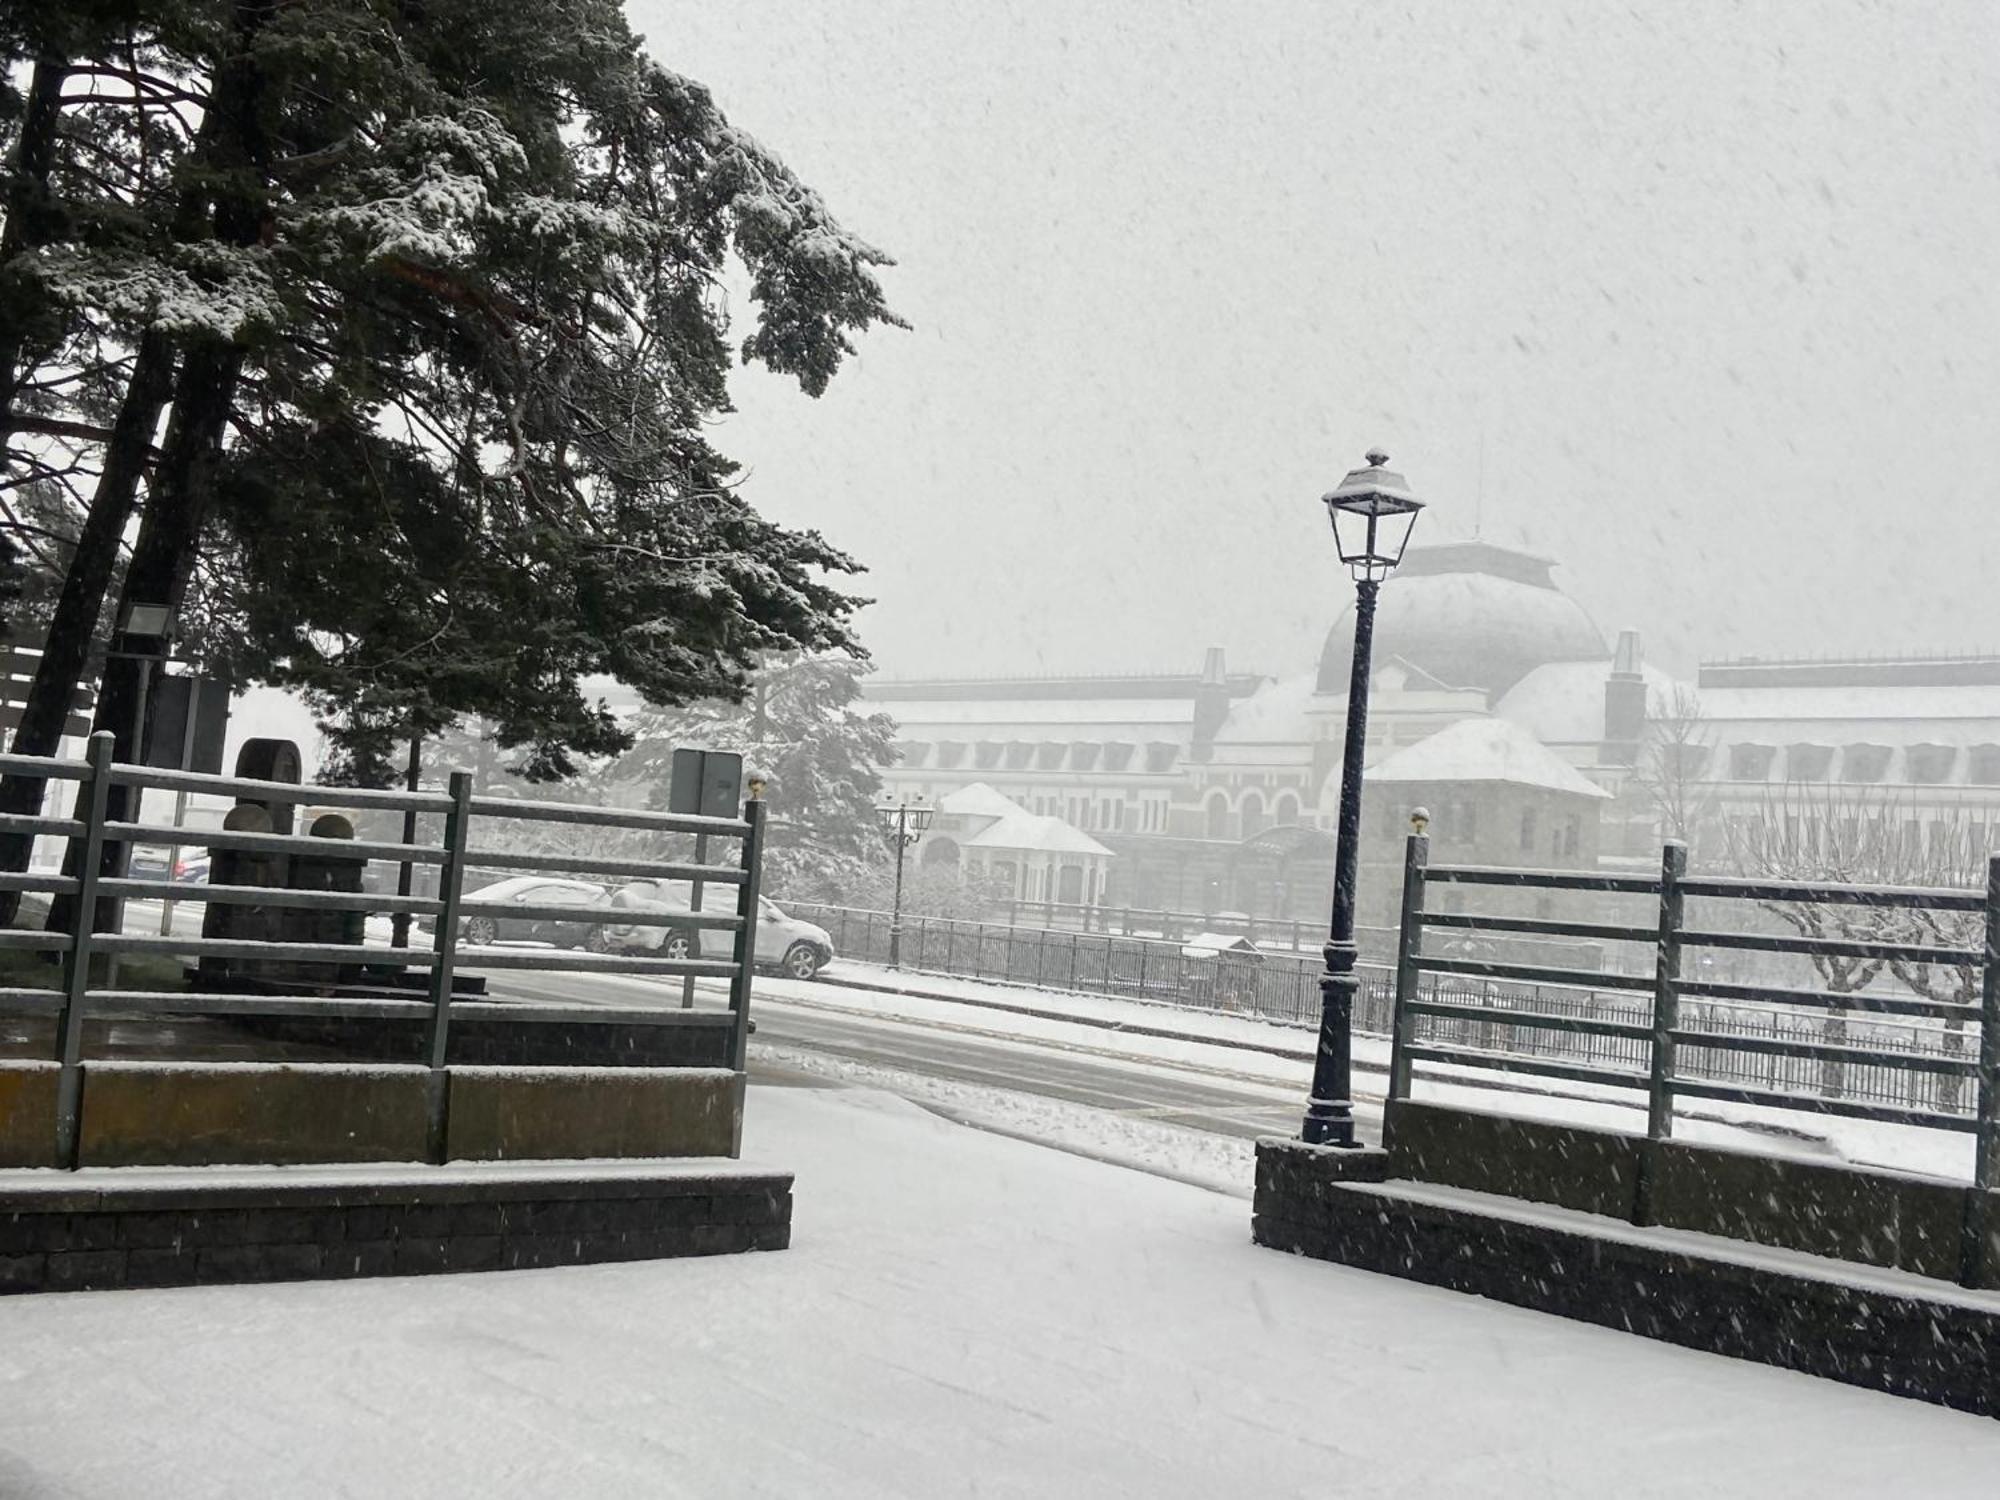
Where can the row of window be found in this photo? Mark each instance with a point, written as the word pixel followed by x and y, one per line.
pixel 1249 819
pixel 1861 763
pixel 1113 757
pixel 1104 814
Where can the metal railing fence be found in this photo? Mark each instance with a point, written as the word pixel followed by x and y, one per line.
pixel 1768 1047
pixel 1895 1057
pixel 364 974
pixel 1298 934
pixel 1274 986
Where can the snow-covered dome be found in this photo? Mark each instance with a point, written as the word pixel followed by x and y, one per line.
pixel 1468 615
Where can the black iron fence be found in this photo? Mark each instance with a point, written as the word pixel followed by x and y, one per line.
pixel 253 960
pixel 1889 1055
pixel 1298 935
pixel 1274 986
pixel 1913 1058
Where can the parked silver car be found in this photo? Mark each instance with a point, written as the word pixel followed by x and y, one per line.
pixel 794 948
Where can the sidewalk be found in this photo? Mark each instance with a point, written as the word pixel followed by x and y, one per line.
pixel 959 1314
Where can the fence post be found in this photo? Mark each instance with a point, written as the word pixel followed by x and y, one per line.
pixel 745 955
pixel 1072 960
pixel 1403 1022
pixel 1666 1018
pixel 694 905
pixel 444 943
pixel 1976 1261
pixel 76 961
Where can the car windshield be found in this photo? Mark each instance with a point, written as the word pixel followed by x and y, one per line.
pixel 768 910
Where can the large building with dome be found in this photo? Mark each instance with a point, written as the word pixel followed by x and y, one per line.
pixel 1497 703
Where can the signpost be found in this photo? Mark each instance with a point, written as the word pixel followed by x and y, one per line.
pixel 704 784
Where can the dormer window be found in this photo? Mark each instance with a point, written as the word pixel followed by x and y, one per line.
pixel 1864 763
pixel 1751 762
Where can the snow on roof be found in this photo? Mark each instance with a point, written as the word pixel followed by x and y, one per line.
pixel 1019 713
pixel 1036 835
pixel 1973 702
pixel 1210 944
pixel 978 800
pixel 1274 714
pixel 1484 750
pixel 1562 702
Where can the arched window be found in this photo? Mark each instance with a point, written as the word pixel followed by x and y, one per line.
pixel 1253 814
pixel 1218 815
pixel 1287 811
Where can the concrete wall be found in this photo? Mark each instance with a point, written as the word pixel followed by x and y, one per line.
pixel 57 1235
pixel 1848 1213
pixel 1900 1338
pixel 204 1114
pixel 27 1114
pixel 1592 1171
pixel 1874 1217
pixel 194 1114
pixel 502 1113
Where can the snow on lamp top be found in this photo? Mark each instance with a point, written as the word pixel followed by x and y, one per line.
pixel 1373 513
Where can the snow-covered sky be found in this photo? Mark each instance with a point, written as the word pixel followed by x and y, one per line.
pixel 1696 296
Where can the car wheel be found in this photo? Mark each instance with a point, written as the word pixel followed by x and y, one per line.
pixel 677 945
pixel 480 931
pixel 801 961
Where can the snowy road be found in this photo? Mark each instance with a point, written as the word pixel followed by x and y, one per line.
pixel 1195 1097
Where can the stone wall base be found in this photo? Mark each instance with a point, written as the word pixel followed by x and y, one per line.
pixel 89 1231
pixel 1883 1330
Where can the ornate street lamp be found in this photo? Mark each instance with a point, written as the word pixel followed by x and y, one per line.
pixel 1373 513
pixel 903 823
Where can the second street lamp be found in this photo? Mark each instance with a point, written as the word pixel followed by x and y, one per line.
pixel 1373 513
pixel 903 823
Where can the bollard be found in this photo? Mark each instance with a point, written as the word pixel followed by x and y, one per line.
pixel 328 871
pixel 253 867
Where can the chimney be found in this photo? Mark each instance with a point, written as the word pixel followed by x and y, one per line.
pixel 1624 704
pixel 1211 704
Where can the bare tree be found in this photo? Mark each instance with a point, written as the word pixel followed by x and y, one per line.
pixel 1828 833
pixel 1672 770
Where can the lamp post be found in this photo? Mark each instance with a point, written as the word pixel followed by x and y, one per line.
pixel 1373 513
pixel 903 823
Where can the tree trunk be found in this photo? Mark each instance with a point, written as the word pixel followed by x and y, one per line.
pixel 34 154
pixel 163 557
pixel 163 560
pixel 66 651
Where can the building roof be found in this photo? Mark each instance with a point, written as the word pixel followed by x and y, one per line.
pixel 1562 702
pixel 1032 834
pixel 1276 714
pixel 1484 750
pixel 979 800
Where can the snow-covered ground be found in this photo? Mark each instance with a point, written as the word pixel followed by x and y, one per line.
pixel 960 1314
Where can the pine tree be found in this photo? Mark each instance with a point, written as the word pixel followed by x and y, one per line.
pixel 430 297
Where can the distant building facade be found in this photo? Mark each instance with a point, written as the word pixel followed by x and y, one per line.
pixel 1215 791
